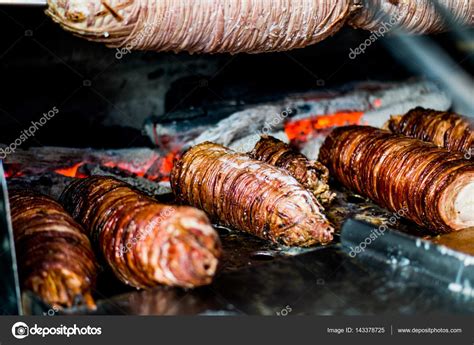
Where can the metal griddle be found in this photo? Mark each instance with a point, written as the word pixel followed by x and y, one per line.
pixel 399 273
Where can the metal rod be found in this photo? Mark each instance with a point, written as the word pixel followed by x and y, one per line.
pixel 24 2
pixel 423 55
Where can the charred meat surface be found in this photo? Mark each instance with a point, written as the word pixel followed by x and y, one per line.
pixel 144 242
pixel 250 196
pixel 55 257
pixel 432 186
pixel 311 174
pixel 444 129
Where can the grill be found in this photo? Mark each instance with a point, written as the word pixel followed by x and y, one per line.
pixel 131 114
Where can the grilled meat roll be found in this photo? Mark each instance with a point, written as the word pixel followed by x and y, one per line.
pixel 435 186
pixel 54 255
pixel 249 195
pixel 144 242
pixel 311 174
pixel 445 129
pixel 202 26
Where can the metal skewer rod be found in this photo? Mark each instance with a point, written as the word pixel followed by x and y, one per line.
pixel 24 2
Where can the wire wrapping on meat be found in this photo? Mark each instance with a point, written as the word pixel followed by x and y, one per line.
pixel 55 257
pixel 144 242
pixel 434 185
pixel 249 195
pixel 311 174
pixel 413 16
pixel 444 129
pixel 252 26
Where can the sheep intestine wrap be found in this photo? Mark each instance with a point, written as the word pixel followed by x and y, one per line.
pixel 413 16
pixel 252 26
pixel 434 185
pixel 311 174
pixel 249 195
pixel 54 255
pixel 444 129
pixel 144 242
pixel 206 26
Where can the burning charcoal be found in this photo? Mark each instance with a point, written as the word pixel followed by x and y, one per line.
pixel 55 257
pixel 444 129
pixel 429 185
pixel 311 174
pixel 144 242
pixel 249 195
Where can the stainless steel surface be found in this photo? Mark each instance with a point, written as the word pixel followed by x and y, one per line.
pixel 450 270
pixel 9 287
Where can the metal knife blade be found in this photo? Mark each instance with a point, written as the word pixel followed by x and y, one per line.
pixel 9 287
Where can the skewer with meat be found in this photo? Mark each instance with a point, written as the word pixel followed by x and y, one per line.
pixel 249 195
pixel 311 174
pixel 54 255
pixel 144 242
pixel 445 129
pixel 251 26
pixel 433 185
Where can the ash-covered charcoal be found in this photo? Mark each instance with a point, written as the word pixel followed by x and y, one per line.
pixel 151 188
pixel 249 195
pixel 144 242
pixel 50 183
pixel 55 257
pixel 444 129
pixel 311 174
pixel 429 185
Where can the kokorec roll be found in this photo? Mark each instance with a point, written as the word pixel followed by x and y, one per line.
pixel 144 242
pixel 55 258
pixel 444 129
pixel 311 174
pixel 434 185
pixel 249 195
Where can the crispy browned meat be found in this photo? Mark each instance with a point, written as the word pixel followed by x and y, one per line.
pixel 54 255
pixel 249 195
pixel 311 174
pixel 445 129
pixel 144 242
pixel 432 185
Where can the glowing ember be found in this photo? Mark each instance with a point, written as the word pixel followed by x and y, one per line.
pixel 377 103
pixel 12 170
pixel 72 171
pixel 154 168
pixel 167 165
pixel 303 129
